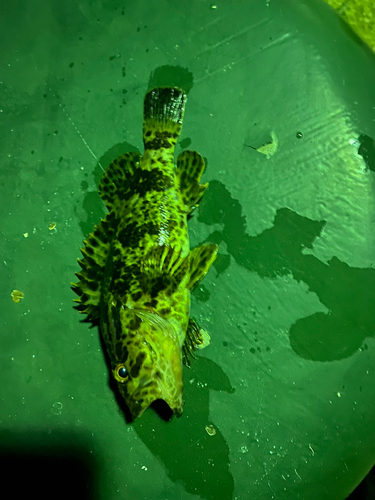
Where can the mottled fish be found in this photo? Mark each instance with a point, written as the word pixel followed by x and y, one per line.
pixel 137 268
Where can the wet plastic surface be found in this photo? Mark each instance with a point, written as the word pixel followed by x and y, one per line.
pixel 288 380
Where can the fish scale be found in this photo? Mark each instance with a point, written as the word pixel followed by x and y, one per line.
pixel 138 270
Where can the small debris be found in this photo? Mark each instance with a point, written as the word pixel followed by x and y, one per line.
pixel 57 408
pixel 204 339
pixel 25 235
pixel 268 149
pixel 17 296
pixel 210 429
pixel 52 226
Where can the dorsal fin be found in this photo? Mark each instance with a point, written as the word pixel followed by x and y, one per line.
pixel 95 255
pixel 190 167
pixel 115 180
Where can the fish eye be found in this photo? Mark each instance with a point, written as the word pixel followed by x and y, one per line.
pixel 121 373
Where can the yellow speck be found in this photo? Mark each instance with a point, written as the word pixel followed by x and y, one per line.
pixel 25 235
pixel 339 394
pixel 52 226
pixel 210 429
pixel 17 296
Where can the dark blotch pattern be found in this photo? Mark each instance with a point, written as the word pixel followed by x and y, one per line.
pixel 145 181
pixel 163 139
pixel 122 352
pixel 136 368
pixel 133 233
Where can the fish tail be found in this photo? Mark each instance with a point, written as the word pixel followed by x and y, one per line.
pixel 163 114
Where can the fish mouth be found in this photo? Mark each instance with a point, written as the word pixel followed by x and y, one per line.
pixel 163 409
pixel 160 406
pixel 153 395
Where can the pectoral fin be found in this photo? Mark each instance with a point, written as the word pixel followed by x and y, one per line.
pixel 164 268
pixel 196 338
pixel 201 259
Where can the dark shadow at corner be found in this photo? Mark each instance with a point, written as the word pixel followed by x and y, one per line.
pixel 366 489
pixel 48 464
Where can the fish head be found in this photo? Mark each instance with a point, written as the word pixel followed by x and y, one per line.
pixel 147 360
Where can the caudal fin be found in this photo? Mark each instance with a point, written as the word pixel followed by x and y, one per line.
pixel 163 113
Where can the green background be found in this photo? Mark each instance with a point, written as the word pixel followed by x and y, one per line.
pixel 288 380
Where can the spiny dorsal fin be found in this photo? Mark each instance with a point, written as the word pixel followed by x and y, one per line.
pixel 190 167
pixel 196 338
pixel 163 112
pixel 95 255
pixel 201 259
pixel 115 180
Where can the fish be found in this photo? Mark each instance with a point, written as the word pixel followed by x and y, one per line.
pixel 138 270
